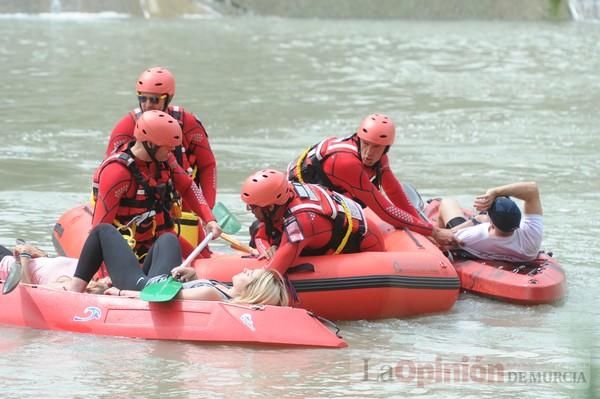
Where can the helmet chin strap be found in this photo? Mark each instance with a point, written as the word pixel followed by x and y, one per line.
pixel 167 102
pixel 151 150
pixel 358 146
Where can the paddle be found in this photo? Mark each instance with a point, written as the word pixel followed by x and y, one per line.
pixel 14 275
pixel 162 291
pixel 13 278
pixel 235 244
pixel 166 290
pixel 226 220
pixel 230 225
pixel 415 199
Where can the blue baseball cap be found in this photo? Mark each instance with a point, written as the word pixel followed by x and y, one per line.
pixel 505 214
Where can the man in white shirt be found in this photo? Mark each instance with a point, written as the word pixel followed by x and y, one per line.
pixel 501 234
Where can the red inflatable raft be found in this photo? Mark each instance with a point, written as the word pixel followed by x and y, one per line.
pixel 539 281
pixel 412 278
pixel 202 321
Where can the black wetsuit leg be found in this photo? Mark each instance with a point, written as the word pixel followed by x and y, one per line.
pixel 105 244
pixel 164 255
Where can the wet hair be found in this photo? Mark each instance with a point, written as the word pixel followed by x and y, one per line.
pixel 266 288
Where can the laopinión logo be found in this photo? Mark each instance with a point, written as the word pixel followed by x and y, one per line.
pixel 477 369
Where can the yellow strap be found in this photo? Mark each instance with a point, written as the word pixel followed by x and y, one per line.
pixel 342 245
pixel 194 172
pixel 299 163
pixel 127 233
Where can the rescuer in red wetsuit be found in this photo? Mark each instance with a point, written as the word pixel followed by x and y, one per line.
pixel 155 90
pixel 134 188
pixel 305 219
pixel 358 166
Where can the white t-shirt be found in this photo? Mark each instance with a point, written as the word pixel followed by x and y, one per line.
pixel 42 270
pixel 523 245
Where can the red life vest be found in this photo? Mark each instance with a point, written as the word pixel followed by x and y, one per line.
pixel 147 214
pixel 314 198
pixel 308 168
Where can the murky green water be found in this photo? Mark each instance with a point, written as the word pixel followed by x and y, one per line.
pixel 477 104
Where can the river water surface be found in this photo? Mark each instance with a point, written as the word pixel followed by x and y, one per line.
pixel 477 104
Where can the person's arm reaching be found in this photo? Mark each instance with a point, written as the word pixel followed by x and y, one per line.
pixel 193 196
pixel 526 191
pixel 348 173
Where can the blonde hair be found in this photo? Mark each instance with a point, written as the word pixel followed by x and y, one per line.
pixel 266 288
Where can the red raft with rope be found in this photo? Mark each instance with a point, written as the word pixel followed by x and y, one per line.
pixel 412 278
pixel 201 321
pixel 539 281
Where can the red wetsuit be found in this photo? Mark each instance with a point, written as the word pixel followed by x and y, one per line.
pixel 195 155
pixel 314 222
pixel 336 164
pixel 121 195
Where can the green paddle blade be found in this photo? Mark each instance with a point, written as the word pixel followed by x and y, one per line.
pixel 162 291
pixel 226 220
pixel 13 278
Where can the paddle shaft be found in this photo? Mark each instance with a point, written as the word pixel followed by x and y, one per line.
pixel 197 250
pixel 13 279
pixel 235 244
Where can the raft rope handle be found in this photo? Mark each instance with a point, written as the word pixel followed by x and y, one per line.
pixel 348 214
pixel 299 163
pixel 326 322
pixel 249 307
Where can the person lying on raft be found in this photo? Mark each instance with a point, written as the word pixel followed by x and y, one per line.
pixel 256 286
pixel 105 244
pixel 251 286
pixel 40 269
pixel 305 219
pixel 501 234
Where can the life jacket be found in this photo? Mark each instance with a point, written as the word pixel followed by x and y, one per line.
pixel 345 237
pixel 185 160
pixel 308 167
pixel 146 215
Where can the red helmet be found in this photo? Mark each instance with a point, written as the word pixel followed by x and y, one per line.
pixel 158 128
pixel 266 187
pixel 377 129
pixel 157 80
